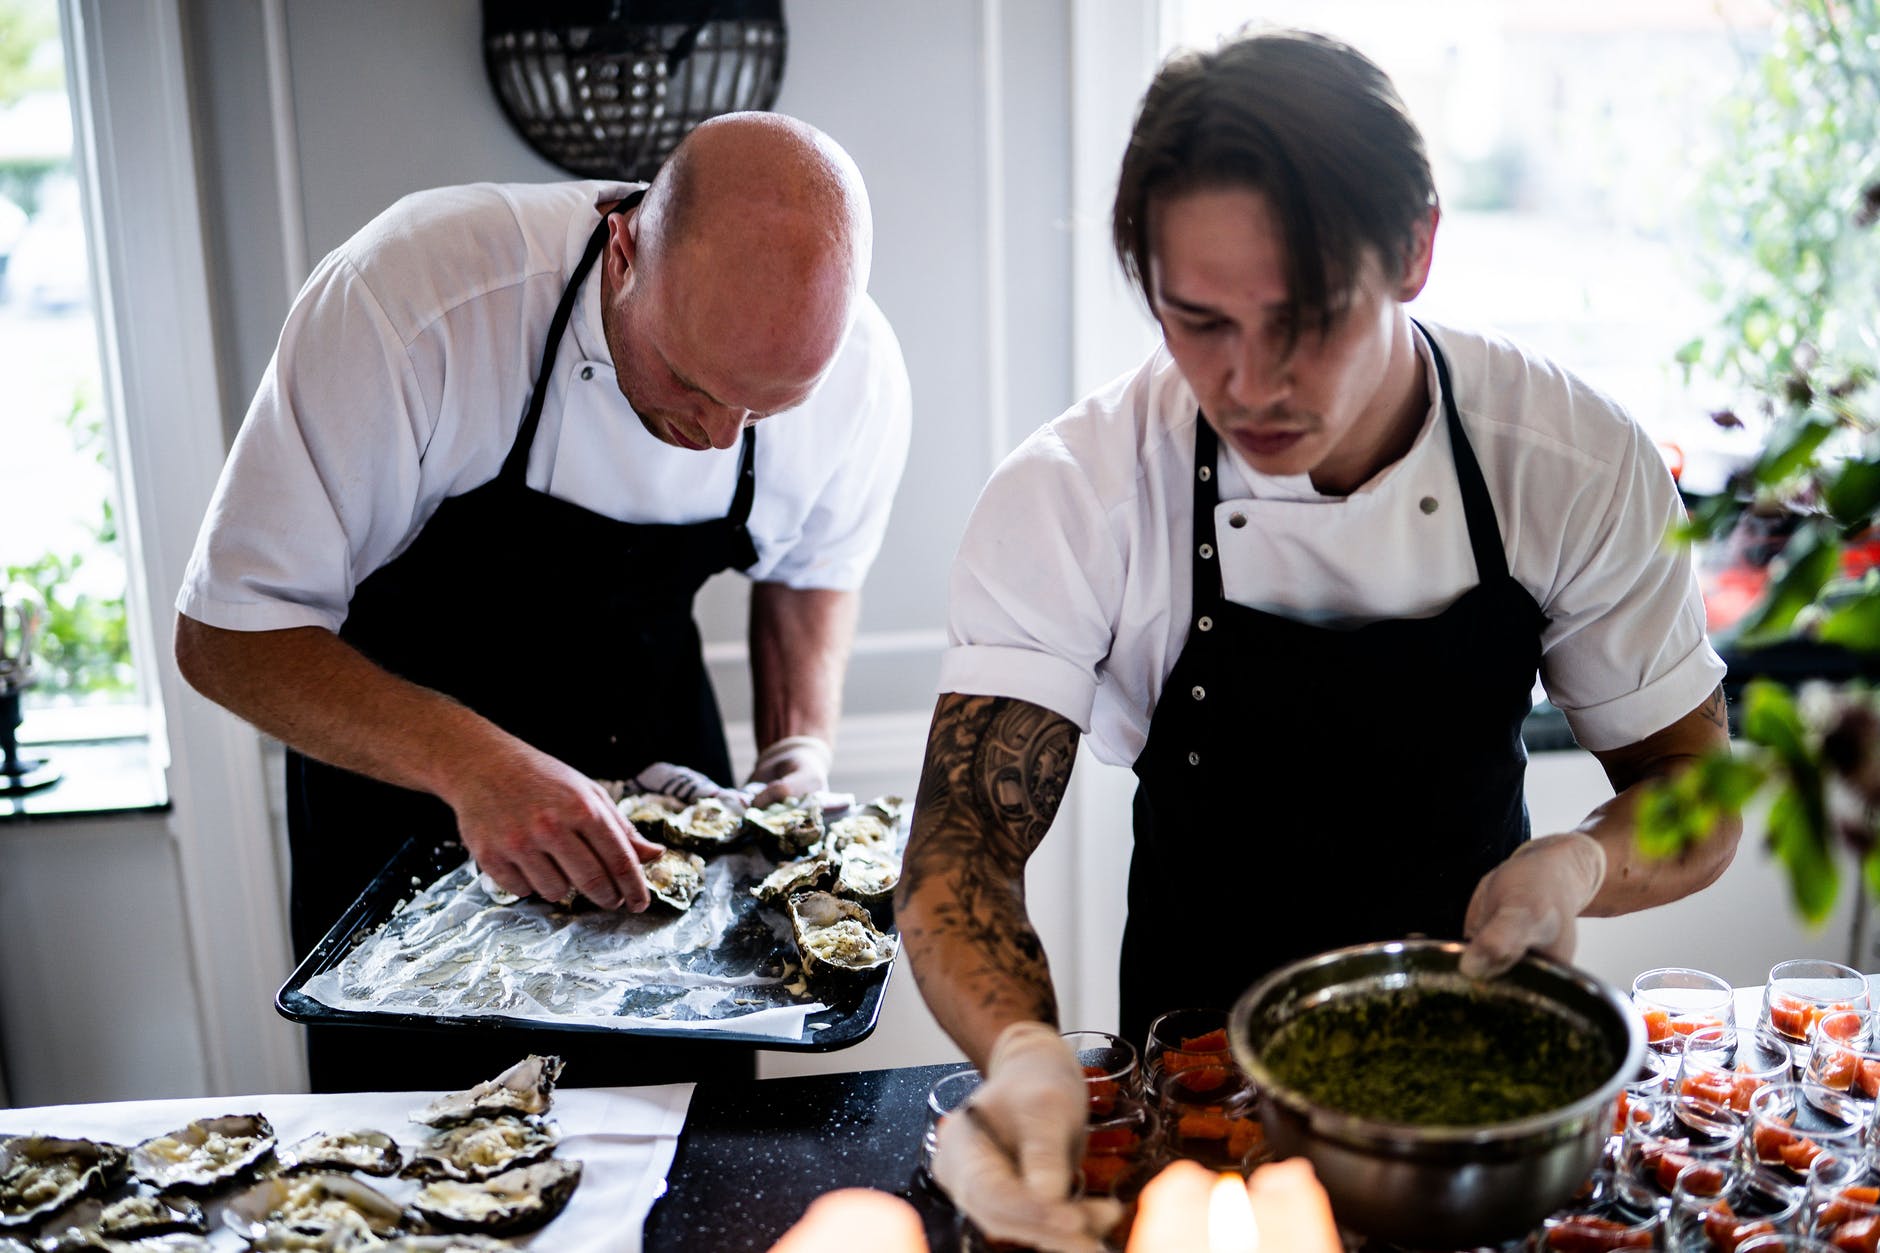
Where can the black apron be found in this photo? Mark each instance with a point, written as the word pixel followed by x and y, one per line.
pixel 571 631
pixel 1304 788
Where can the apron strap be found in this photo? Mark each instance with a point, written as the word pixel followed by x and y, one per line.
pixel 1491 559
pixel 1207 568
pixel 747 480
pixel 516 464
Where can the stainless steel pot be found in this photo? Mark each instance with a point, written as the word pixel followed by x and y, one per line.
pixel 1436 1187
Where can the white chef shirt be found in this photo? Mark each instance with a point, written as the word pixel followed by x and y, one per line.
pixel 1072 586
pixel 401 378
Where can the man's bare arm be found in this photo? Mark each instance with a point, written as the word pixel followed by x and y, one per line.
pixel 800 640
pixel 533 822
pixel 994 777
pixel 1634 881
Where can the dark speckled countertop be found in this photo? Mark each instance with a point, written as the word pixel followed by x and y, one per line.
pixel 756 1152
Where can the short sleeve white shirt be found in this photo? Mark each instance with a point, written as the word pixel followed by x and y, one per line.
pixel 1072 586
pixel 401 378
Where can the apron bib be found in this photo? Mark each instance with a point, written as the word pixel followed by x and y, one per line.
pixel 606 674
pixel 1304 788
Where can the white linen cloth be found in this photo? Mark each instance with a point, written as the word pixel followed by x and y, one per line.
pixel 624 1139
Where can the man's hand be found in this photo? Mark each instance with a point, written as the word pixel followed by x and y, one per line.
pixel 796 765
pixel 1008 1157
pixel 1530 902
pixel 534 824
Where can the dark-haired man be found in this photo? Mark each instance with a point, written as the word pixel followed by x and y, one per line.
pixel 1300 569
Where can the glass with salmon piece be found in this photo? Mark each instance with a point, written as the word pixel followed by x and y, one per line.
pixel 1802 992
pixel 1843 1202
pixel 1596 1221
pixel 1205 1099
pixel 1724 1207
pixel 1723 1069
pixel 1844 1054
pixel 1676 1000
pixel 1791 1125
pixel 1651 1157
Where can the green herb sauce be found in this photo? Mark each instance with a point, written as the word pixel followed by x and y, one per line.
pixel 1437 1057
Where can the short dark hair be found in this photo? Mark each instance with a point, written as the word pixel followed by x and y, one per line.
pixel 1310 123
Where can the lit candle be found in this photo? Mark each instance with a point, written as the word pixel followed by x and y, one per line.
pixel 1231 1226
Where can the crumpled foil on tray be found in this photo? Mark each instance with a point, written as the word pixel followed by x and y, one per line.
pixel 454 952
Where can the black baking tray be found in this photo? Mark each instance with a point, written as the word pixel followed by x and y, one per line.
pixel 844 1022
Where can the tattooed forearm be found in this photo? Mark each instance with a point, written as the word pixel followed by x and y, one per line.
pixel 994 777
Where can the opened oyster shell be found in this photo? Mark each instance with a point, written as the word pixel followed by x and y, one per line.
pixel 807 874
pixel 869 873
pixel 129 1218
pixel 675 878
pixel 863 828
pixel 836 939
pixel 41 1175
pixel 482 1149
pixel 528 1087
pixel 889 809
pixel 205 1154
pixel 516 1200
pixel 369 1152
pixel 705 826
pixel 651 813
pixel 786 829
pixel 91 1242
pixel 319 1210
pixel 454 1242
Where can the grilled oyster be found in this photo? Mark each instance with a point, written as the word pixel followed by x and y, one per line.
pixel 88 1241
pixel 808 874
pixel 205 1154
pixel 369 1152
pixel 516 1200
pixel 458 1242
pixel 483 1148
pixel 705 826
pixel 836 939
pixel 887 808
pixel 651 813
pixel 675 877
pixel 528 1087
pixel 868 874
pixel 40 1175
pixel 864 827
pixel 786 829
pixel 130 1218
pixel 319 1210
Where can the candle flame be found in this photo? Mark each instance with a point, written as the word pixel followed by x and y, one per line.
pixel 1231 1228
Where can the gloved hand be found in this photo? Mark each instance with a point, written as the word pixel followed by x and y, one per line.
pixel 686 784
pixel 796 765
pixel 1008 1157
pixel 1530 902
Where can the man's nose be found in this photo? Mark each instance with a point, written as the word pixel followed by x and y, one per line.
pixel 723 424
pixel 1259 376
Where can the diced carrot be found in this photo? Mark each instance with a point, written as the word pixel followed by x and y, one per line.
pixel 1214 1041
pixel 1584 1233
pixel 1657 1026
pixel 1206 1123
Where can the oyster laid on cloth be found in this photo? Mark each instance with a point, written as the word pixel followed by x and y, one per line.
pixel 483 1148
pixel 515 1201
pixel 204 1155
pixel 368 1152
pixel 41 1175
pixel 675 878
pixel 836 939
pixel 319 1210
pixel 528 1087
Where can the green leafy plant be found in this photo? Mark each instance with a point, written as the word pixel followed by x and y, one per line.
pixel 1792 209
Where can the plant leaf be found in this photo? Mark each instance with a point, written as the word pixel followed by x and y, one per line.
pixel 1855 625
pixel 1802 848
pixel 1808 562
pixel 1853 494
pixel 1792 448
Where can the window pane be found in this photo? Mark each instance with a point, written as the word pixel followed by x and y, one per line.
pixel 1567 141
pixel 59 509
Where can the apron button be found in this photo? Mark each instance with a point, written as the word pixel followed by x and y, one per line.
pixel 1206 624
pixel 1197 691
pixel 1194 759
pixel 1427 504
pixel 587 372
pixel 1206 473
pixel 1207 550
pixel 1237 520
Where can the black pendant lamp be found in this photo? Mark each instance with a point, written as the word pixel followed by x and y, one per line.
pixel 607 88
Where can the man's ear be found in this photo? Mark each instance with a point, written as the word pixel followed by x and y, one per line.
pixel 1417 256
pixel 622 243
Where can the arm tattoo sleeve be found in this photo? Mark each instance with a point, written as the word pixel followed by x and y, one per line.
pixel 995 774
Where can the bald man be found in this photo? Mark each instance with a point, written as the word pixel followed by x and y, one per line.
pixel 507 434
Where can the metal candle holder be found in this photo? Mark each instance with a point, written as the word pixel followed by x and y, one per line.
pixel 22 616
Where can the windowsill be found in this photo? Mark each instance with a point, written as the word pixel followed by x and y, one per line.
pixel 108 778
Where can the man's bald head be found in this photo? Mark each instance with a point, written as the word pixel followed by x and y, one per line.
pixel 747 256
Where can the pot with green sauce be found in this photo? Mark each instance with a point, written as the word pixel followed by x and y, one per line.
pixel 1439 1111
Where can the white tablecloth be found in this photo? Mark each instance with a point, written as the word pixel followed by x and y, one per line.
pixel 624 1137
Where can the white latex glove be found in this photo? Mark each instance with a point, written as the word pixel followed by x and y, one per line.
pixel 796 765
pixel 1530 902
pixel 1008 1158
pixel 684 783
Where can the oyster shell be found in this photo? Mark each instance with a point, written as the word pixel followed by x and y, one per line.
pixel 868 874
pixel 675 878
pixel 318 1210
pixel 369 1152
pixel 836 939
pixel 483 1148
pixel 528 1087
pixel 516 1200
pixel 205 1154
pixel 864 828
pixel 88 1242
pixel 651 813
pixel 889 809
pixel 41 1175
pixel 705 826
pixel 457 1242
pixel 807 874
pixel 787 828
pixel 129 1218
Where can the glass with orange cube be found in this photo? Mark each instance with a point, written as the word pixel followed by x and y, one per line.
pixel 1208 1106
pixel 1801 993
pixel 1121 1144
pixel 1676 1000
